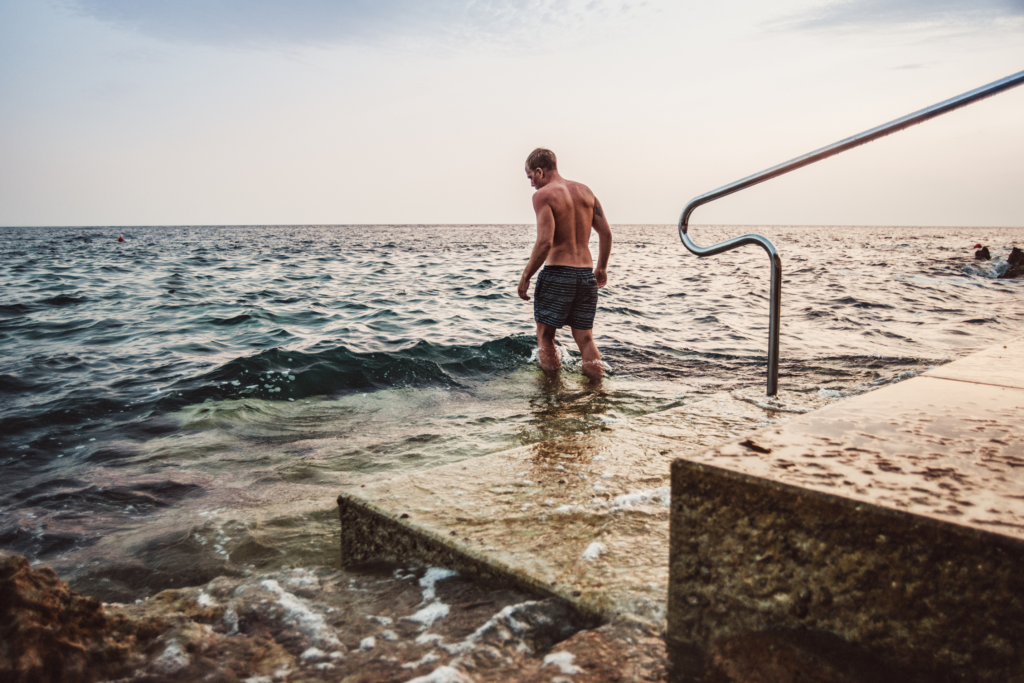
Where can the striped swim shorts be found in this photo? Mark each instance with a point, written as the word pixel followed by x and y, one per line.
pixel 565 295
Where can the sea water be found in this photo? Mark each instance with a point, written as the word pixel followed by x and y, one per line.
pixel 188 402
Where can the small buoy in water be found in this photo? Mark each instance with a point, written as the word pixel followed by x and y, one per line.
pixel 120 239
pixel 976 246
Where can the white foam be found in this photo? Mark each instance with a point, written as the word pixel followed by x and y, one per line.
pixel 303 578
pixel 990 269
pixel 428 658
pixel 659 496
pixel 503 625
pixel 433 575
pixel 172 660
pixel 313 653
pixel 431 613
pixel 231 621
pixel 205 600
pixel 443 674
pixel 302 617
pixel 367 643
pixel 594 551
pixel 563 660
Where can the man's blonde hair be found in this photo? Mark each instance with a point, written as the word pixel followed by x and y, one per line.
pixel 542 158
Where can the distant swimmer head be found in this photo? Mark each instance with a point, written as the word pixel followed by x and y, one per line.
pixel 541 166
pixel 976 246
pixel 120 239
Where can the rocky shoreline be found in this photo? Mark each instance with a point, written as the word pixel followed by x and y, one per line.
pixel 379 623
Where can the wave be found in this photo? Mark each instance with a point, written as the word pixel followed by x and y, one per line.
pixel 989 269
pixel 281 374
pixel 63 300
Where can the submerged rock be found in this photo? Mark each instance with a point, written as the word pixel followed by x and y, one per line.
pixel 316 624
pixel 1016 261
pixel 983 254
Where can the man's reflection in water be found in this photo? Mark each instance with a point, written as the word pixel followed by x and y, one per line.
pixel 567 418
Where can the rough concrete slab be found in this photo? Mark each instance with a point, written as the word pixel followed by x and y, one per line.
pixel 583 517
pixel 892 520
pixel 934 601
pixel 945 449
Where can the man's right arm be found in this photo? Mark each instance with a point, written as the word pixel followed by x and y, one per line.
pixel 604 235
pixel 545 238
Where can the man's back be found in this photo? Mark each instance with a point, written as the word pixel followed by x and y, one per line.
pixel 572 205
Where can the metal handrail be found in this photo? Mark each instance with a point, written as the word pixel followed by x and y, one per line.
pixel 809 158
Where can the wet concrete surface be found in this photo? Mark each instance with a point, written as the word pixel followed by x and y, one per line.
pixel 999 365
pixel 890 522
pixel 583 518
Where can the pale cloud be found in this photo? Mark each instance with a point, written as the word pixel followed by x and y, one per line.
pixel 901 14
pixel 140 112
pixel 273 23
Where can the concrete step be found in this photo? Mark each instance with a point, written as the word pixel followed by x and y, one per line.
pixel 893 521
pixel 583 517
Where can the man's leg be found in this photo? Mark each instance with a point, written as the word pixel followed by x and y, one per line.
pixel 550 362
pixel 592 368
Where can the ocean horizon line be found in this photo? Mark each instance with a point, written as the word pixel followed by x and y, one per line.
pixel 485 224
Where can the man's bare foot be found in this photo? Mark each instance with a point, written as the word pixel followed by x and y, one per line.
pixel 593 370
pixel 550 361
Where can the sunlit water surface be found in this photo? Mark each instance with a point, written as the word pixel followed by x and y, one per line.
pixel 188 402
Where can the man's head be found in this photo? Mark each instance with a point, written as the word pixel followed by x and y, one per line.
pixel 541 167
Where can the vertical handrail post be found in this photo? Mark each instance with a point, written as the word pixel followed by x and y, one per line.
pixel 775 288
pixel 774 324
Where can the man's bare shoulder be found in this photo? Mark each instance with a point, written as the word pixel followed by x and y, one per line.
pixel 553 192
pixel 541 198
pixel 581 190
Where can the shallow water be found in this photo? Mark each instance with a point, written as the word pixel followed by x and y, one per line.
pixel 158 395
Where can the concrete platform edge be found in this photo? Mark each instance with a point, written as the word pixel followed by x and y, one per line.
pixel 369 533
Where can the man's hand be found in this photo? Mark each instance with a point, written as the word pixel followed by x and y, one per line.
pixel 601 275
pixel 524 289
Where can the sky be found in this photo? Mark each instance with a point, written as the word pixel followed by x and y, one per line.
pixel 266 112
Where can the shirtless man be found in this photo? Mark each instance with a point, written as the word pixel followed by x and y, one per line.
pixel 566 289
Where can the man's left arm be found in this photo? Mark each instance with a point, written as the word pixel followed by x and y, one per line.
pixel 604 236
